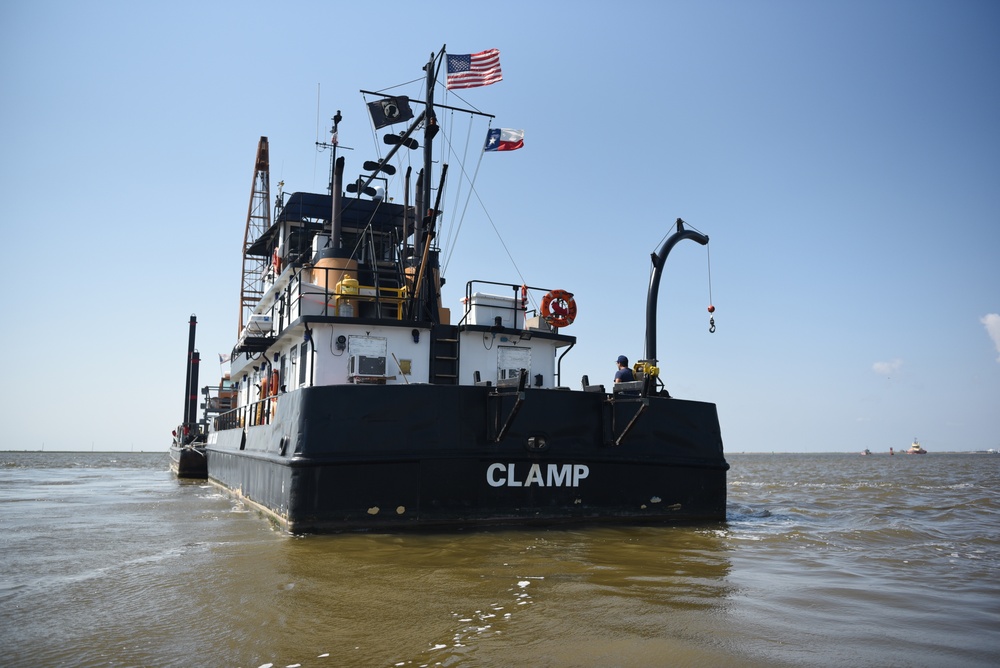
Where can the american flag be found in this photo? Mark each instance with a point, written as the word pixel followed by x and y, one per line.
pixel 472 70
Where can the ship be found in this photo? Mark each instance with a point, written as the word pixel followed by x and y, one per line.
pixel 916 449
pixel 187 447
pixel 361 401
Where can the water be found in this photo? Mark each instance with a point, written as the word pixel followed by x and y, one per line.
pixel 825 560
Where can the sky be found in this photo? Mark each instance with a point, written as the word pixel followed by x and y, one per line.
pixel 842 156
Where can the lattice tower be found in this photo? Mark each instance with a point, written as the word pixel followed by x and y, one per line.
pixel 258 222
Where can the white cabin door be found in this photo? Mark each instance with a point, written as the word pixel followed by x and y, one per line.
pixel 510 361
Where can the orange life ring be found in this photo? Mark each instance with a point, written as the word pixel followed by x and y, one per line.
pixel 276 261
pixel 559 308
pixel 524 297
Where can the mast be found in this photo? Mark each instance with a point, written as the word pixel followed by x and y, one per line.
pixel 426 214
pixel 654 282
pixel 336 179
pixel 193 395
pixel 430 129
pixel 188 402
pixel 420 261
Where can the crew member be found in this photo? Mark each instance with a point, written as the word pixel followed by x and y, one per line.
pixel 624 373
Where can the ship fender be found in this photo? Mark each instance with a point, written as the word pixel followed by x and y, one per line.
pixel 558 308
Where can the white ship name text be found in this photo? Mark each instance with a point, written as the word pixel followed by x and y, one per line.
pixel 555 475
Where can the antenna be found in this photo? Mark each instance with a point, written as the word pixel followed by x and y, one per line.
pixel 316 158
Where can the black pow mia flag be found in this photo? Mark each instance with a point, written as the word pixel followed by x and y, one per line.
pixel 390 110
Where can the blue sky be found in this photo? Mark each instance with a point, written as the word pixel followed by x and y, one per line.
pixel 843 157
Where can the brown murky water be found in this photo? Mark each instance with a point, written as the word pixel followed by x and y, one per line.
pixel 826 560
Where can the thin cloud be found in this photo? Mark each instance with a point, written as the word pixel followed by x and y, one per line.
pixel 887 368
pixel 992 323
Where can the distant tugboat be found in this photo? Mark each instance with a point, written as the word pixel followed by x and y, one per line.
pixel 187 450
pixel 915 449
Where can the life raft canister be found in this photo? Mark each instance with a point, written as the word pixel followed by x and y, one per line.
pixel 559 308
pixel 347 289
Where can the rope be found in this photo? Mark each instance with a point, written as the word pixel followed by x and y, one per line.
pixel 708 252
pixel 453 240
pixel 711 305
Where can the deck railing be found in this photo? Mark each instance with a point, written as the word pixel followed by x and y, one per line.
pixel 307 298
pixel 258 413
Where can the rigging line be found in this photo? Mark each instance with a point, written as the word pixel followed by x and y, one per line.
pixel 446 125
pixel 446 122
pixel 456 221
pixel 452 237
pixel 367 228
pixel 316 155
pixel 374 131
pixel 461 218
pixel 670 231
pixel 689 225
pixel 489 218
pixel 419 79
pixel 449 92
pixel 708 252
pixel 472 186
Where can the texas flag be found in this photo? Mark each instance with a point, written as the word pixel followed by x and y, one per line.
pixel 502 139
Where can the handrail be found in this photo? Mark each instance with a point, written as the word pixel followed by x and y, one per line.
pixel 253 414
pixel 330 299
pixel 467 301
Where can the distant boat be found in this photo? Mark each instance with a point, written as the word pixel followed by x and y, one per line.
pixel 865 452
pixel 915 449
pixel 187 448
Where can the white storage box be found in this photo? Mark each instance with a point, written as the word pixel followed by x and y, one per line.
pixel 259 325
pixel 484 309
pixel 315 300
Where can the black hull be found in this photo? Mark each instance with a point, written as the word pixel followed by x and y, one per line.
pixel 342 458
pixel 189 462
